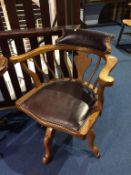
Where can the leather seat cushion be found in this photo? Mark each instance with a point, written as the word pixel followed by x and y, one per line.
pixel 65 103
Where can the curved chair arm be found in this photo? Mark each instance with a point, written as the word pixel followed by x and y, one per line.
pixel 25 56
pixel 104 78
pixel 47 48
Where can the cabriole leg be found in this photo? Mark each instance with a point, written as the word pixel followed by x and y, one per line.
pixel 47 144
pixel 93 148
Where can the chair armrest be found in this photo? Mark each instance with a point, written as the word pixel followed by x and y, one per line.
pixel 104 78
pixel 23 57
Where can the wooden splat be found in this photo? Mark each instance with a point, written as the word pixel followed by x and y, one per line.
pixel 82 62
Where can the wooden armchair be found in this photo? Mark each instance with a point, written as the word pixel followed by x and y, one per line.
pixel 69 104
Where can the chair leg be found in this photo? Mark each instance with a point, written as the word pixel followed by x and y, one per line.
pixel 121 32
pixel 90 139
pixel 47 144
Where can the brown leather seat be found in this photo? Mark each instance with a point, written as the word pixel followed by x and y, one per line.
pixel 65 103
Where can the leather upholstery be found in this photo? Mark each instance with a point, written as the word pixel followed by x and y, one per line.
pixel 65 103
pixel 87 38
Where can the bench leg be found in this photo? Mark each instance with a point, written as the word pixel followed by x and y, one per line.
pixel 90 139
pixel 47 144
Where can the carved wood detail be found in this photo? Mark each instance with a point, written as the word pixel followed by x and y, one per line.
pixel 82 62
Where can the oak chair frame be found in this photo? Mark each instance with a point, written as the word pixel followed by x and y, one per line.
pixel 104 80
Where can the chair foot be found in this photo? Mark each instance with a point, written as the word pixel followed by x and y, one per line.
pixel 47 145
pixel 93 148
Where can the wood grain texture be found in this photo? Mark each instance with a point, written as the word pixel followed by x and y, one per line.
pixel 47 48
pixel 47 144
pixel 46 31
pixel 70 11
pixel 61 12
pixel 76 11
pixel 45 13
pixel 82 63
pixel 93 148
pixel 104 77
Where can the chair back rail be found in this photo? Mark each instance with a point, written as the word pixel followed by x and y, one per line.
pixel 78 56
